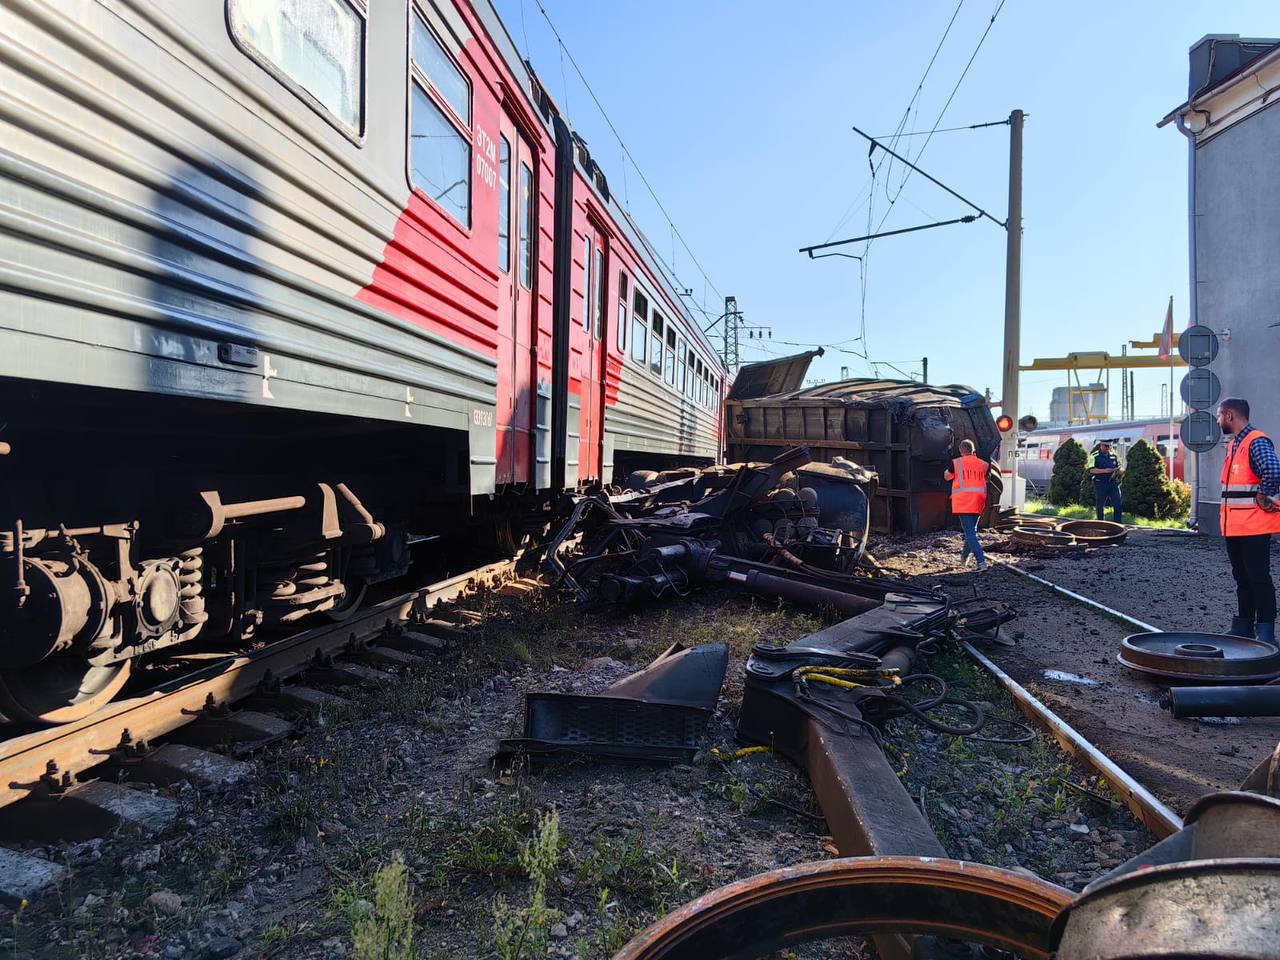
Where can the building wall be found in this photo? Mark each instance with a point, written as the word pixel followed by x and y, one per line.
pixel 1236 287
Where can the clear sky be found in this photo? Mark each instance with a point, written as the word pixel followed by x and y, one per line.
pixel 739 115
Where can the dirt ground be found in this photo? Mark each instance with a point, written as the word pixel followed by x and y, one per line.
pixel 384 821
pixel 1169 579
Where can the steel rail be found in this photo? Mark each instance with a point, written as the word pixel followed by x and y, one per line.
pixel 1154 815
pixel 1081 598
pixel 74 748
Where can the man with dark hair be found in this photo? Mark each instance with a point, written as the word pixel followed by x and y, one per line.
pixel 1248 516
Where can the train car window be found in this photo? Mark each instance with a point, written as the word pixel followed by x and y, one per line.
pixel 622 312
pixel 439 150
pixel 440 70
pixel 440 158
pixel 586 283
pixel 600 293
pixel 504 204
pixel 316 47
pixel 526 226
pixel 639 326
pixel 655 346
pixel 671 356
pixel 682 373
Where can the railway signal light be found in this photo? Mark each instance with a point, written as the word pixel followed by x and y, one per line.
pixel 1004 423
pixel 1028 423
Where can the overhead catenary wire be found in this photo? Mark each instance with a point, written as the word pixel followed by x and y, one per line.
pixel 943 112
pixel 925 133
pixel 627 154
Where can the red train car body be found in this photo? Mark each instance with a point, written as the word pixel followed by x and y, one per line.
pixel 283 283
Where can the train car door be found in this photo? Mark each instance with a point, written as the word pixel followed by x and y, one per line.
pixel 517 275
pixel 594 307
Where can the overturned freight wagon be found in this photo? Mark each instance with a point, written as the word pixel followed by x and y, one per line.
pixel 906 432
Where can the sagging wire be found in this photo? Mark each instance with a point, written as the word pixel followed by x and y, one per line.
pixel 728 757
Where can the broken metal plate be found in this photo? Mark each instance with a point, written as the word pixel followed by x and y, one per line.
pixel 660 713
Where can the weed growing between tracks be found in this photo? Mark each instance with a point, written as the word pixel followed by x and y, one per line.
pixel 1019 806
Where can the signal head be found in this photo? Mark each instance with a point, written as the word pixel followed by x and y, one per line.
pixel 1004 423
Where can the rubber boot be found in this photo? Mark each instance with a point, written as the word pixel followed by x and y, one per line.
pixel 1266 632
pixel 1240 627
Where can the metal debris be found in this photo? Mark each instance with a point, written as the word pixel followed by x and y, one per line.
pixel 1211 657
pixel 660 713
pixel 1253 701
pixel 757 526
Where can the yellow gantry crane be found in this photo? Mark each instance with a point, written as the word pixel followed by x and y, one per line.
pixel 1100 360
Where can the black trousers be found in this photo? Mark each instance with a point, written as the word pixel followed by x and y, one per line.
pixel 1251 566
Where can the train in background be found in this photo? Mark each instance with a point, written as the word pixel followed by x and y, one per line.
pixel 1036 448
pixel 283 284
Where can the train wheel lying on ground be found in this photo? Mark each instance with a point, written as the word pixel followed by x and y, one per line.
pixel 876 895
pixel 61 689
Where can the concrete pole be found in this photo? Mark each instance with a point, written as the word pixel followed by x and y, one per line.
pixel 924 374
pixel 1012 297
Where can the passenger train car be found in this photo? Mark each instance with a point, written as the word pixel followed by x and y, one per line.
pixel 1036 449
pixel 282 284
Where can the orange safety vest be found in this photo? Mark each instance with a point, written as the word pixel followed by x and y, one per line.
pixel 968 484
pixel 1240 515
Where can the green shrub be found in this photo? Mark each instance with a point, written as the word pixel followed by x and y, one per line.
pixel 1146 488
pixel 1182 497
pixel 1088 490
pixel 1068 468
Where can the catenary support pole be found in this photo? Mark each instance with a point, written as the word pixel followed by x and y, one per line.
pixel 1012 297
pixel 924 373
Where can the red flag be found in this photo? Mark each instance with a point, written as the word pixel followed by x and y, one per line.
pixel 1166 335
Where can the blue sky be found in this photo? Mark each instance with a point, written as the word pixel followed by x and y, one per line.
pixel 739 115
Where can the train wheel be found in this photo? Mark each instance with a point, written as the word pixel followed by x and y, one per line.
pixel 59 690
pixel 350 601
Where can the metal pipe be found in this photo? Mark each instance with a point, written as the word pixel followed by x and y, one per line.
pixel 259 508
pixel 1157 817
pixel 1080 598
pixel 1254 701
pixel 806 594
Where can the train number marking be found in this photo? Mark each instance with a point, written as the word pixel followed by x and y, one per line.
pixel 486 157
pixel 482 418
pixel 268 371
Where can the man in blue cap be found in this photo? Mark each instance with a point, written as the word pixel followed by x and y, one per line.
pixel 1104 465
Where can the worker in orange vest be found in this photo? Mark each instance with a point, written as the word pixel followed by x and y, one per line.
pixel 968 476
pixel 1247 518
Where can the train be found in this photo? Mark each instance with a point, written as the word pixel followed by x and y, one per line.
pixel 284 285
pixel 1037 447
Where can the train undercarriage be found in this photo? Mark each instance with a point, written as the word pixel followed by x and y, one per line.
pixel 130 523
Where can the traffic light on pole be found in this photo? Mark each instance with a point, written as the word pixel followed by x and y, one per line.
pixel 1004 423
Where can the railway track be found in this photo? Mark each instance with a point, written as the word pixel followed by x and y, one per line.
pixel 166 709
pixel 50 763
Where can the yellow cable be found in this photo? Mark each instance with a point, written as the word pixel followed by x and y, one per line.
pixel 739 754
pixel 832 675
